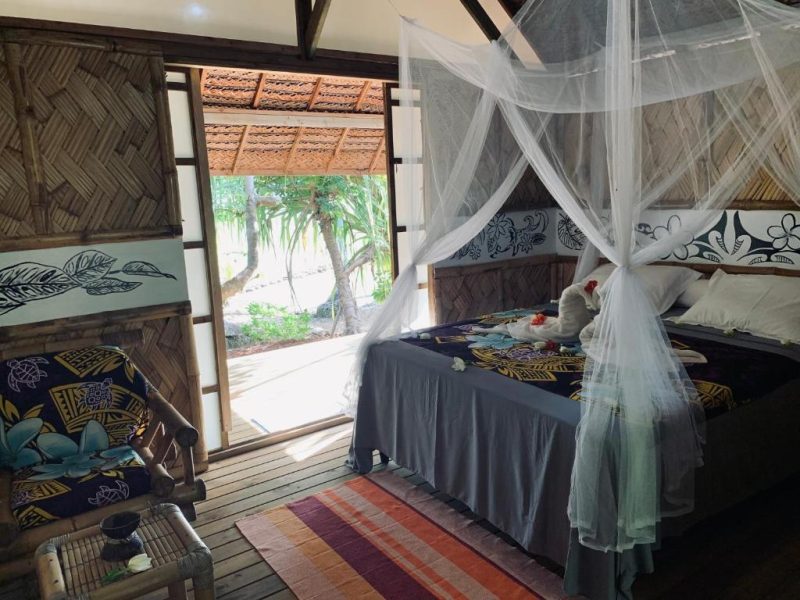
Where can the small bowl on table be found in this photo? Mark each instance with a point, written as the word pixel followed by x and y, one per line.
pixel 122 541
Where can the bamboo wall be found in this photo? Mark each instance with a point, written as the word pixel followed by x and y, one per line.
pixel 86 156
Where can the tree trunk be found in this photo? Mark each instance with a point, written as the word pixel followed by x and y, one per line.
pixel 340 273
pixel 236 283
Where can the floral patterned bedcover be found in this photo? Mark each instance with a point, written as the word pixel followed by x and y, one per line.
pixel 734 375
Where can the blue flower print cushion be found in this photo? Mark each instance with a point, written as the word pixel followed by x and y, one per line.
pixel 60 393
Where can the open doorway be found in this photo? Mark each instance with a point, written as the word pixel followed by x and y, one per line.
pixel 301 214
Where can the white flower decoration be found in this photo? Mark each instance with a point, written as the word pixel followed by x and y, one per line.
pixel 785 234
pixel 458 364
pixel 540 345
pixel 424 336
pixel 139 563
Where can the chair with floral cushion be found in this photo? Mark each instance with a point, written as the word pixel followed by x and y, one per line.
pixel 82 435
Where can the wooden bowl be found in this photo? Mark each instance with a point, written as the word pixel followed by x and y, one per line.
pixel 120 525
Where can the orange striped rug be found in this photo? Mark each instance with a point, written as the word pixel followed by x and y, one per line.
pixel 381 537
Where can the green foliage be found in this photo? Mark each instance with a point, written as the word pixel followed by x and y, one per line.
pixel 357 206
pixel 383 285
pixel 270 323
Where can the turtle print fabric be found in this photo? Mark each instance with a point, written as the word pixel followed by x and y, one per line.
pixel 732 377
pixel 62 392
pixel 57 490
pixel 66 420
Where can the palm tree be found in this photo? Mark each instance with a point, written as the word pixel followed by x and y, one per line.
pixel 348 212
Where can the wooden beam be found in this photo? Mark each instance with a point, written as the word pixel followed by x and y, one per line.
pixel 295 144
pixel 510 6
pixel 287 118
pixel 314 28
pixel 259 90
pixel 240 149
pixel 363 95
pixel 375 158
pixel 29 140
pixel 481 18
pixel 207 51
pixel 338 149
pixel 314 93
pixel 300 171
pixel 302 15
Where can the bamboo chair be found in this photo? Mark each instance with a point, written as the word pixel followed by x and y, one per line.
pixel 168 436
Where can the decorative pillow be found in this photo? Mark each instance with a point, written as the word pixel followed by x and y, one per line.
pixel 664 283
pixel 59 490
pixel 693 293
pixel 764 305
pixel 62 394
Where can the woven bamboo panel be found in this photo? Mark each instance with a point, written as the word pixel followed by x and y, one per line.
pixel 526 285
pixel 84 141
pixel 468 296
pixel 463 293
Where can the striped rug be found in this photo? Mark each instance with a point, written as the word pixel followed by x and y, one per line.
pixel 381 537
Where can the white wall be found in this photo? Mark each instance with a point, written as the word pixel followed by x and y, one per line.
pixel 356 25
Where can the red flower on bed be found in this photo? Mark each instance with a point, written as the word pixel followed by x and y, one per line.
pixel 538 319
pixel 551 346
pixel 590 286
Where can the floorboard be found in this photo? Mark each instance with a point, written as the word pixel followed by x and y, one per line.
pixel 751 551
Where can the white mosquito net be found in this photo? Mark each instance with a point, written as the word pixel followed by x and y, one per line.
pixel 620 106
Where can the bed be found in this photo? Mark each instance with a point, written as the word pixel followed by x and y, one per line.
pixel 500 436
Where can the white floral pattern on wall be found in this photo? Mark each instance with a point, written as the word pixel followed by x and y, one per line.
pixel 729 242
pixel 759 237
pixel 507 235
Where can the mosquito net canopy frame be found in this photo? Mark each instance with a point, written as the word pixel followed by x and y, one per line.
pixel 620 106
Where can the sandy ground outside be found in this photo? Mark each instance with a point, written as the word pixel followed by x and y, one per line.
pixel 289 387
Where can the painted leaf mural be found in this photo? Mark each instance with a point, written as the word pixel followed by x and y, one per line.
pixel 89 265
pixel 88 270
pixel 110 285
pixel 28 281
pixel 144 269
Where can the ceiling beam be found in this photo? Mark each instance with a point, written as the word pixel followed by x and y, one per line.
pixel 302 14
pixel 259 90
pixel 314 27
pixel 209 51
pixel 510 6
pixel 314 93
pixel 363 95
pixel 293 149
pixel 374 163
pixel 482 19
pixel 338 150
pixel 287 118
pixel 240 149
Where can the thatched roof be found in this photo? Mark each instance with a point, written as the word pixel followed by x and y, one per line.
pixel 270 123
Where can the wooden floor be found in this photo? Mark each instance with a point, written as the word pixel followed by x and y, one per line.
pixel 242 430
pixel 752 551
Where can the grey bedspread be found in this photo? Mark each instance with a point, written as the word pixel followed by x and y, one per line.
pixel 506 449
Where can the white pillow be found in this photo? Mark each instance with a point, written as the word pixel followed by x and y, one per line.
pixel 764 305
pixel 693 293
pixel 664 283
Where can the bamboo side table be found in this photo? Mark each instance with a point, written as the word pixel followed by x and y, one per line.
pixel 69 567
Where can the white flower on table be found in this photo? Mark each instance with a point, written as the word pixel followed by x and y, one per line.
pixel 139 563
pixel 458 364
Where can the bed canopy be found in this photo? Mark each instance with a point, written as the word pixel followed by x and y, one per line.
pixel 620 106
